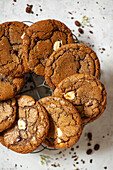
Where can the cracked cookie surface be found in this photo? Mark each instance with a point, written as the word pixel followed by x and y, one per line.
pixel 71 59
pixel 12 60
pixel 9 86
pixel 41 39
pixel 86 93
pixel 65 122
pixel 30 128
pixel 7 114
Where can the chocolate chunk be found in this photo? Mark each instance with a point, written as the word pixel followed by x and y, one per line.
pixel 14 52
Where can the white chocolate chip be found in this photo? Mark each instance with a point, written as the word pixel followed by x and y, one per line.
pixel 57 44
pixel 70 95
pixel 22 35
pixel 21 124
pixel 59 132
pixel 58 140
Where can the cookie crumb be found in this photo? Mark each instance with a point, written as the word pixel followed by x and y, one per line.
pixel 77 146
pixel 29 9
pixel 70 13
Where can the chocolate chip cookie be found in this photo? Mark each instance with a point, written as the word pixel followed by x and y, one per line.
pixel 30 128
pixel 68 60
pixel 12 60
pixel 9 86
pixel 7 114
pixel 41 39
pixel 65 122
pixel 86 93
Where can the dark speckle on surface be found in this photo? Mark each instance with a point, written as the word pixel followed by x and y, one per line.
pixel 91 32
pixel 91 160
pixel 77 146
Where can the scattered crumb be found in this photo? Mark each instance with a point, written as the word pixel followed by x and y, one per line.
pixel 70 13
pixel 29 9
pixel 15 165
pixel 91 32
pixel 91 160
pixel 77 146
pixel 55 165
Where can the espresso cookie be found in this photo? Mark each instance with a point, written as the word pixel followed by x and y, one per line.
pixel 68 60
pixel 30 128
pixel 86 93
pixel 41 39
pixel 12 60
pixel 7 114
pixel 65 122
pixel 9 86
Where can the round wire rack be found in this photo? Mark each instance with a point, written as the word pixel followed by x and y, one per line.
pixel 36 86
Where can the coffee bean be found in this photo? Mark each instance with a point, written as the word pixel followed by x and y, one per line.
pixel 80 30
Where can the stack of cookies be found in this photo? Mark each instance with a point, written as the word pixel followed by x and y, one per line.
pixel 71 69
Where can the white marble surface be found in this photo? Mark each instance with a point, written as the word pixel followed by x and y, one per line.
pixel 100 16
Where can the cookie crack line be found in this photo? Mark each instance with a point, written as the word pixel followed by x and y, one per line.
pixel 54 57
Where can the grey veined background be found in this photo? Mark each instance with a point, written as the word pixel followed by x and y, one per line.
pixel 100 16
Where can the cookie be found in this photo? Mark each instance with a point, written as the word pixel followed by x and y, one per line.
pixel 68 60
pixel 9 86
pixel 41 39
pixel 12 60
pixel 86 93
pixel 30 128
pixel 7 114
pixel 65 122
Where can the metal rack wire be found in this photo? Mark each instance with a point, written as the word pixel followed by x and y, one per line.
pixel 36 86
